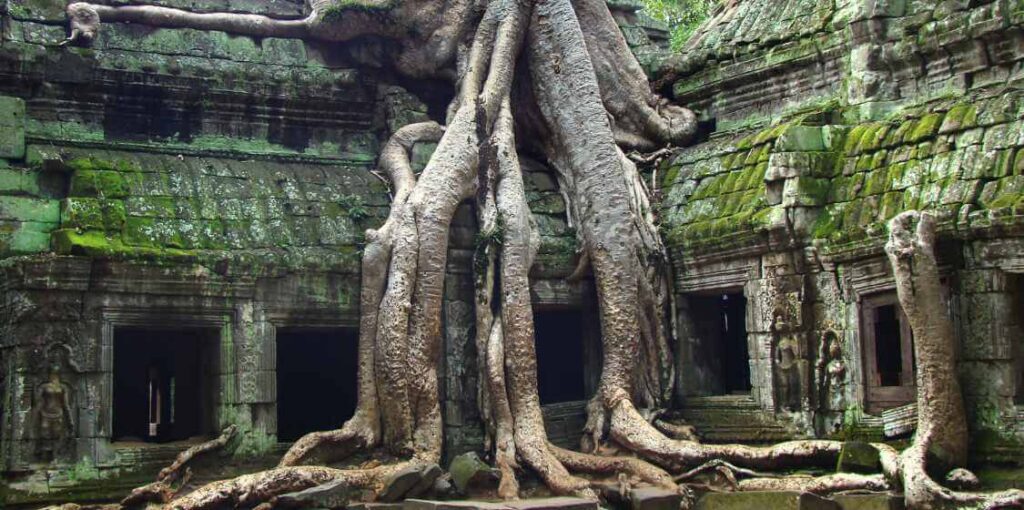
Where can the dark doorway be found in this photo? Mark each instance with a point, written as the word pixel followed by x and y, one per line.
pixel 888 353
pixel 888 346
pixel 721 326
pixel 560 355
pixel 316 379
pixel 163 387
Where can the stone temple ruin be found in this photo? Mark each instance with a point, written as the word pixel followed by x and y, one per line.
pixel 182 214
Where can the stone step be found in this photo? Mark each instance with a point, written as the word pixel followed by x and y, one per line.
pixel 764 500
pixel 783 500
pixel 737 427
pixel 556 503
pixel 869 502
pixel 733 418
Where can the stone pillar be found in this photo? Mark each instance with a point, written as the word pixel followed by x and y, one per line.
pixel 458 378
pixel 987 366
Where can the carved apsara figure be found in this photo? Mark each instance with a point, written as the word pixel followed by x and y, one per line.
pixel 830 372
pixel 53 422
pixel 787 370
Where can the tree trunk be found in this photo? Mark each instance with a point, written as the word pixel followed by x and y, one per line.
pixel 941 436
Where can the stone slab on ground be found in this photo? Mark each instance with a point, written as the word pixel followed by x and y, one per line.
pixel 335 494
pixel 858 457
pixel 654 498
pixel 781 500
pixel 427 504
pixel 869 502
pixel 472 475
pixel 374 506
pixel 557 503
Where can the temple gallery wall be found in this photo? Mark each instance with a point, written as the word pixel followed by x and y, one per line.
pixel 182 215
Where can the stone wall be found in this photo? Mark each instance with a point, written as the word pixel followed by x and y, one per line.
pixel 181 178
pixel 829 120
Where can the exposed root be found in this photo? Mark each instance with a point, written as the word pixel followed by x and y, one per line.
pixel 160 491
pixel 330 446
pixel 518 249
pixel 821 485
pixel 596 464
pixel 718 465
pixel 362 431
pixel 676 431
pixel 253 489
pixel 631 430
pixel 941 434
pixel 921 491
pixel 85 21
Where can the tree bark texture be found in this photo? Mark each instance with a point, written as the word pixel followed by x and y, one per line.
pixel 555 77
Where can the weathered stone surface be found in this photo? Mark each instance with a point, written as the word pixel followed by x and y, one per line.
pixel 471 475
pixel 400 483
pixel 962 480
pixel 868 502
pixel 424 504
pixel 329 495
pixel 556 503
pixel 773 500
pixel 858 457
pixel 12 127
pixel 654 498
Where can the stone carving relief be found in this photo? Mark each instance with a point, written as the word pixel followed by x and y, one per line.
pixel 782 302
pixel 51 419
pixel 832 372
pixel 786 361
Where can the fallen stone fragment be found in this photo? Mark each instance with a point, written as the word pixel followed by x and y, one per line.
pixel 962 480
pixel 400 484
pixel 472 475
pixel 334 494
pixel 869 501
pixel 858 457
pixel 557 503
pixel 654 498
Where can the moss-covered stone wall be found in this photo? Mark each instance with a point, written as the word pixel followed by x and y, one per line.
pixel 825 121
pixel 181 178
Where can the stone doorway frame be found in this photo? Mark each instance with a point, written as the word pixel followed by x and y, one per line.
pixel 220 319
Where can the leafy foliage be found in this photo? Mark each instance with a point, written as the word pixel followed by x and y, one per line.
pixel 682 16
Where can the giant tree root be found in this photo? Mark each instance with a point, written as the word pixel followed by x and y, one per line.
pixel 253 489
pixel 160 491
pixel 580 95
pixel 941 420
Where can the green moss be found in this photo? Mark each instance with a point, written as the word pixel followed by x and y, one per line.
pixel 858 457
pixel 877 182
pixel 864 163
pixel 353 207
pixel 926 127
pixel 853 139
pixel 959 117
pixel 671 175
pixel 879 159
pixel 892 204
pixel 336 11
pixel 730 183
pixel 745 143
pixel 485 243
pixel 872 137
pixel 95 177
pixel 1006 200
pixel 92 213
pixel 83 470
pixel 756 154
pixel 827 224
